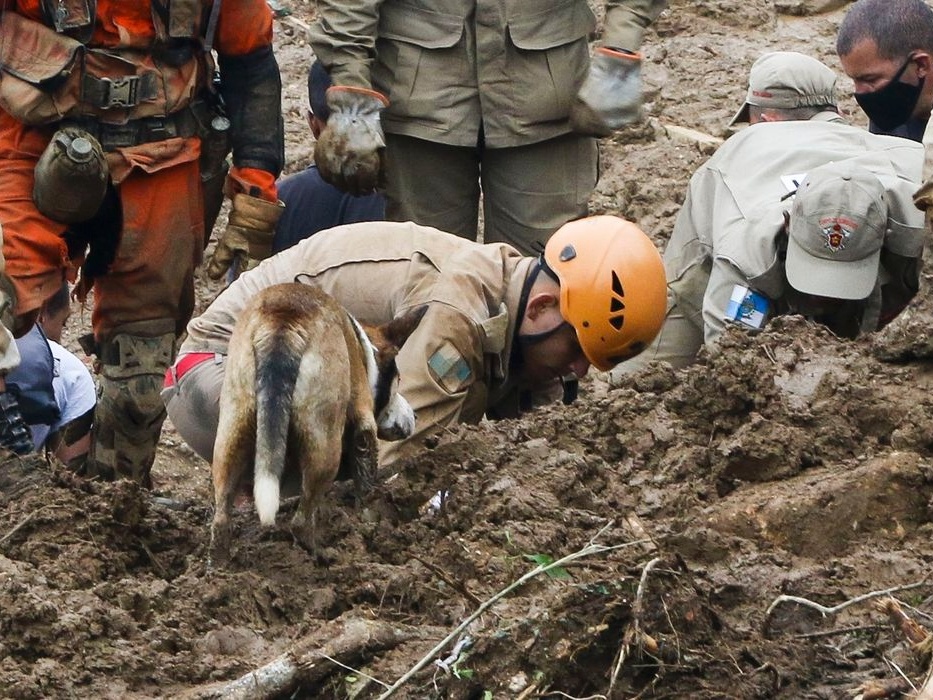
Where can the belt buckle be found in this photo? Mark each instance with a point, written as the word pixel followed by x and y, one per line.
pixel 121 92
pixel 158 129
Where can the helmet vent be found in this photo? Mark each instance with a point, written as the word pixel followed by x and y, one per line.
pixel 616 305
pixel 617 285
pixel 568 252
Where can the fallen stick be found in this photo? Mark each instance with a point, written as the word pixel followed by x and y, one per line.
pixel 19 526
pixel 588 550
pixel 920 640
pixel 835 608
pixel 310 661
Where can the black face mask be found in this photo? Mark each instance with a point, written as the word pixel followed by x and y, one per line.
pixel 890 106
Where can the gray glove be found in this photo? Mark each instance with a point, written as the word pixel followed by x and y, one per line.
pixel 611 94
pixel 349 151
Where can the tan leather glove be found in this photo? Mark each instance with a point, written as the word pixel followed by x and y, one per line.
pixel 349 151
pixel 611 94
pixel 247 239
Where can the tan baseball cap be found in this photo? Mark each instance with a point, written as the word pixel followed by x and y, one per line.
pixel 787 79
pixel 837 227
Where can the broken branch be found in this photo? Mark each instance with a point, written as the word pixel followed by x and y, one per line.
pixel 835 608
pixel 310 661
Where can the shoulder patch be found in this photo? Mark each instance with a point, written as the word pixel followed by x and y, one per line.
pixel 449 369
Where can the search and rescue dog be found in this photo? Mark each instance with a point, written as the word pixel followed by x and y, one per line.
pixel 306 388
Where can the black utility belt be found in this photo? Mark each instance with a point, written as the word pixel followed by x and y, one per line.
pixel 193 120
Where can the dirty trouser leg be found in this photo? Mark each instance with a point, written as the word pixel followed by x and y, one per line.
pixel 432 184
pixel 193 405
pixel 531 191
pixel 141 305
pixel 129 415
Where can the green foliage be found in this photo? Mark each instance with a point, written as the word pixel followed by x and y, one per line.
pixel 558 573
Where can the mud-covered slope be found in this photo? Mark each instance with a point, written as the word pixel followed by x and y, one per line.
pixel 791 464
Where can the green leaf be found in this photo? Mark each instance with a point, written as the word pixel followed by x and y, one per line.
pixel 558 573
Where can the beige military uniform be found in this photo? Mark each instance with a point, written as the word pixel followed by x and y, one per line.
pixel 454 368
pixel 729 231
pixel 479 89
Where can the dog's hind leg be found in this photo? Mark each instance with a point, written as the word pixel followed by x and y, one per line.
pixel 233 454
pixel 320 450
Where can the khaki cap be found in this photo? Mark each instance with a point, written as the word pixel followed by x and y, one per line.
pixel 837 227
pixel 785 80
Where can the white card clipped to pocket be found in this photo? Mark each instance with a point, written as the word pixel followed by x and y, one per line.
pixel 748 307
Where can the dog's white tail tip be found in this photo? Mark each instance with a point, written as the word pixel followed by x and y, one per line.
pixel 266 497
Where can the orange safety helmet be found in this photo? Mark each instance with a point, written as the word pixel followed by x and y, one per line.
pixel 613 290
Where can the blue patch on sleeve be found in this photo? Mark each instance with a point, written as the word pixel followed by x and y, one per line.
pixel 449 368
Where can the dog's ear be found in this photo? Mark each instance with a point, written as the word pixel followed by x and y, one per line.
pixel 398 330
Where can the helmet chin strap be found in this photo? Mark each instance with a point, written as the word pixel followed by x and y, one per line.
pixel 527 339
pixel 534 338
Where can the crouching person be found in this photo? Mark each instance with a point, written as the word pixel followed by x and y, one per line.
pixel 56 391
pixel 498 324
pixel 797 214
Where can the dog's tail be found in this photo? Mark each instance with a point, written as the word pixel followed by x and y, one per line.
pixel 277 362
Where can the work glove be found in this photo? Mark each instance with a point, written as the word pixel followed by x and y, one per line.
pixel 349 151
pixel 247 239
pixel 611 94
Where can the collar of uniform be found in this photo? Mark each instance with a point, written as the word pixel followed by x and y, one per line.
pixel 828 116
pixel 495 330
pixel 509 314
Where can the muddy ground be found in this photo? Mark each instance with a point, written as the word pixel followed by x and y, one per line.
pixel 792 464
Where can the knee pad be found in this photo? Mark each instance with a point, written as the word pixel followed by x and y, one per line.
pixel 130 410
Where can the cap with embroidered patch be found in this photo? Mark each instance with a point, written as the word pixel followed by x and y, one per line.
pixel 786 80
pixel 836 232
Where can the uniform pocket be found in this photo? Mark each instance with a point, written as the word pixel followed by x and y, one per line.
pixel 39 83
pixel 418 26
pixel 422 64
pixel 564 24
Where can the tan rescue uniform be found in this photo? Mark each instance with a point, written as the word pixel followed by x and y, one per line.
pixel 454 367
pixel 479 90
pixel 729 230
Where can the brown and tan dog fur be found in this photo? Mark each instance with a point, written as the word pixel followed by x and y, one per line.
pixel 306 388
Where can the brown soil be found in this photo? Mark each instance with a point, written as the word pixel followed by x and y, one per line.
pixel 790 464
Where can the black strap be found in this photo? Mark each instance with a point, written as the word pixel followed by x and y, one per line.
pixel 124 92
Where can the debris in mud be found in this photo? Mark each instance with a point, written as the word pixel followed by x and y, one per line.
pixel 789 464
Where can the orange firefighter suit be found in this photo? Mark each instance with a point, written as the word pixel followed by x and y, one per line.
pixel 141 78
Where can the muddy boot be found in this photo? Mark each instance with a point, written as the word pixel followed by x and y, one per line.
pixel 14 434
pixel 130 411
